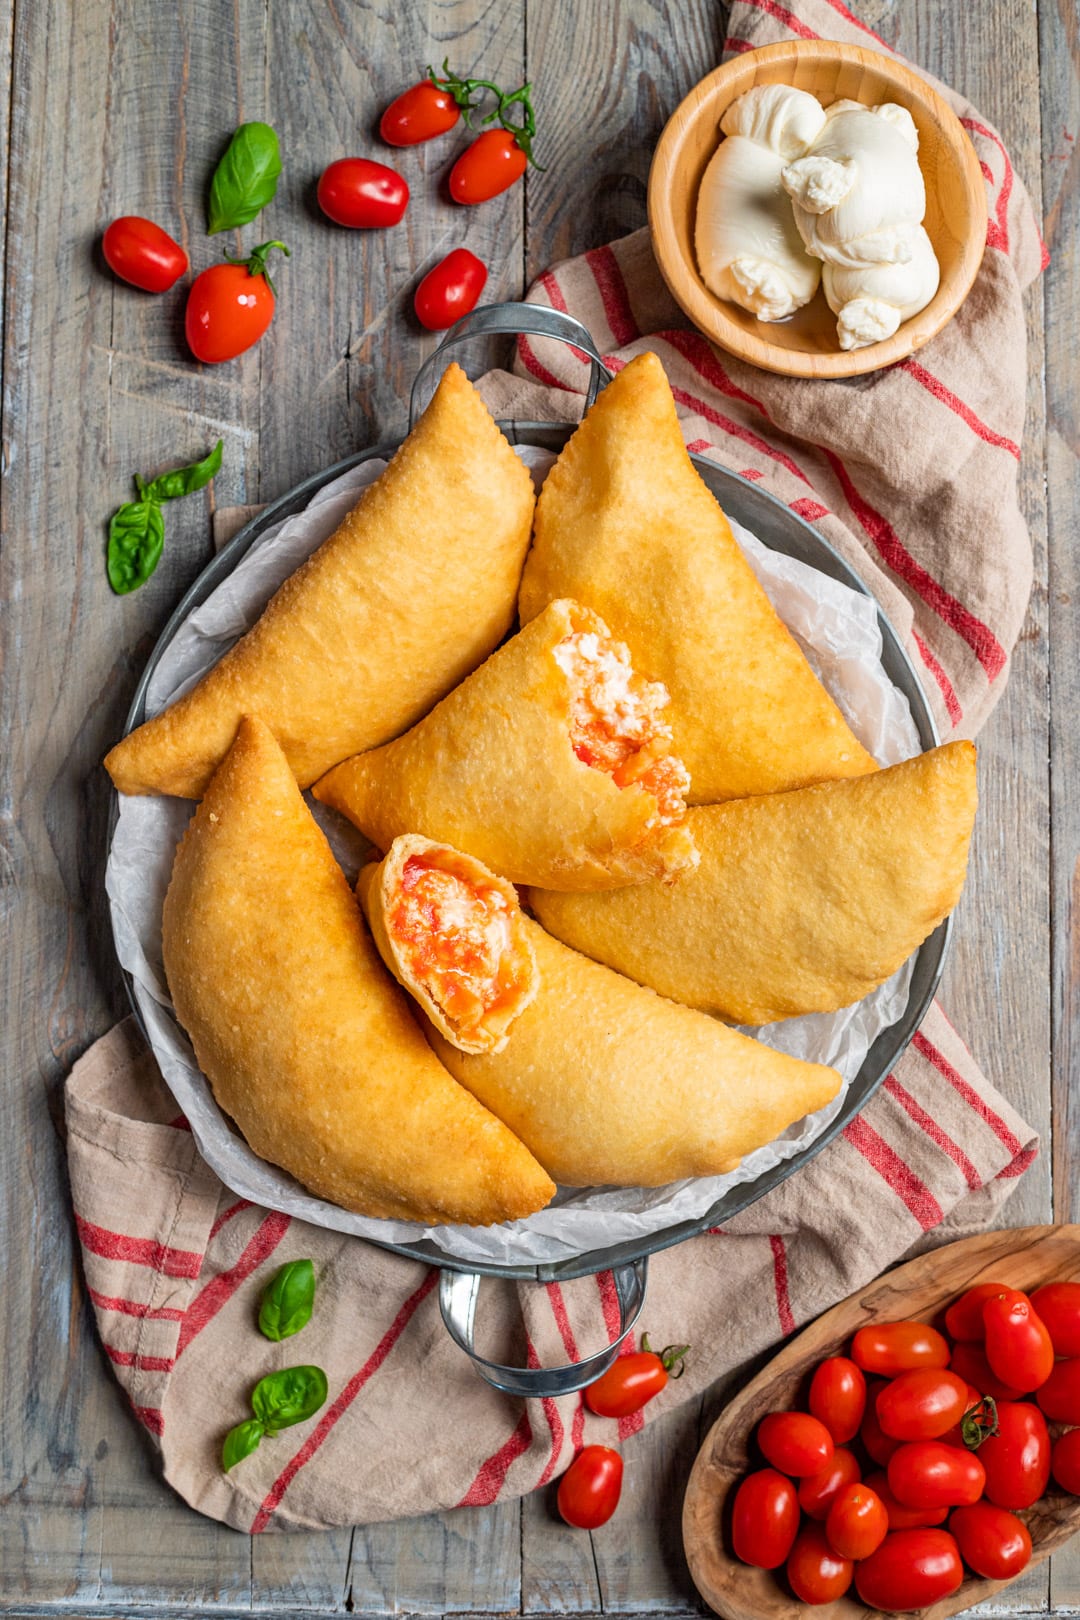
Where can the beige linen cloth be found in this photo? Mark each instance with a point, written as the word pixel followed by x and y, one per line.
pixel 911 474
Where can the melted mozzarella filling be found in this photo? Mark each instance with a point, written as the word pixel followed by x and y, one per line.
pixel 457 937
pixel 616 724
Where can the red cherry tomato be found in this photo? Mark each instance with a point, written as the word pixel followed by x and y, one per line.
pixel 1065 1462
pixel 964 1318
pixel 878 1444
pixel 1017 1458
pixel 893 1347
pixel 765 1519
pixel 992 1541
pixel 816 1491
pixel 420 113
pixel 1018 1346
pixel 815 1572
pixel 633 1380
pixel 490 165
pixel 139 251
pixel 1058 1306
pixel 910 1570
pixel 902 1517
pixel 927 1474
pixel 922 1403
pixel 1059 1397
pixel 795 1443
pixel 589 1490
pixel 229 307
pixel 969 1361
pixel 362 194
pixel 838 1397
pixel 449 290
pixel 858 1522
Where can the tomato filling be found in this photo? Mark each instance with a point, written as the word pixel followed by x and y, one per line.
pixel 616 723
pixel 457 935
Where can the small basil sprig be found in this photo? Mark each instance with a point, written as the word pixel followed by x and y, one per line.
pixel 246 178
pixel 287 1301
pixel 278 1401
pixel 137 529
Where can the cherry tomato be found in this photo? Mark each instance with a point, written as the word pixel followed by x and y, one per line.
pixel 1059 1397
pixel 1017 1458
pixel 449 290
pixel 795 1443
pixel 964 1318
pixel 926 1474
pixel 490 165
pixel 922 1403
pixel 1065 1463
pixel 1058 1306
pixel 816 1573
pixel 765 1519
pixel 878 1444
pixel 838 1397
pixel 365 195
pixel 969 1361
pixel 816 1491
pixel 858 1522
pixel 902 1517
pixel 632 1380
pixel 420 113
pixel 910 1570
pixel 1018 1346
pixel 893 1347
pixel 992 1541
pixel 229 307
pixel 139 251
pixel 589 1490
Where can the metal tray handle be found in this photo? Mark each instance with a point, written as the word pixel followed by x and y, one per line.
pixel 511 320
pixel 458 1291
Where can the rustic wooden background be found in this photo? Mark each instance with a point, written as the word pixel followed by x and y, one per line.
pixel 117 106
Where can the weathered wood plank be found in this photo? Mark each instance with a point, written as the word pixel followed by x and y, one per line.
pixel 1060 86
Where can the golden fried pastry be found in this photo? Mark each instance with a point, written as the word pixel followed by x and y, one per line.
pixel 625 525
pixel 803 902
pixel 307 1042
pixel 609 1083
pixel 411 592
pixel 453 934
pixel 552 763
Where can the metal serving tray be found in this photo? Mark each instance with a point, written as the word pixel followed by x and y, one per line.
pixel 776 526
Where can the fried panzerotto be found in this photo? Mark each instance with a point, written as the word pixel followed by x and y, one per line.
pixel 554 758
pixel 608 1083
pixel 802 902
pixel 307 1042
pixel 411 592
pixel 625 526
pixel 454 935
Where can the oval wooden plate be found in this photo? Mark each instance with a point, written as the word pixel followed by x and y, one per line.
pixel 1025 1258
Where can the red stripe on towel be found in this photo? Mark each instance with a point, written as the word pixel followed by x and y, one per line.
pixel 217 1293
pixel 341 1405
pixel 892 1170
pixel 780 1283
pixel 138 1251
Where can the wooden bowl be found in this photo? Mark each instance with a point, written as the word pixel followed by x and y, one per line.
pixel 806 345
pixel 1025 1258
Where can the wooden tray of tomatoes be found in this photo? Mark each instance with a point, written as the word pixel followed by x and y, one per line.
pixel 928 1426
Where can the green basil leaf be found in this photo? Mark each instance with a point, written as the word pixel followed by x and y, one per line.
pixel 241 1442
pixel 136 536
pixel 246 178
pixel 287 1300
pixel 185 480
pixel 283 1398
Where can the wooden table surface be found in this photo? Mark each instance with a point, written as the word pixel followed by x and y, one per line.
pixel 119 106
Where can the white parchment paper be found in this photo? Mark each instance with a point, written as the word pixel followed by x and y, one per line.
pixel 837 629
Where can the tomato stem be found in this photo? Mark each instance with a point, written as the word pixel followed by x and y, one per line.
pixel 464 91
pixel 671 1357
pixel 255 263
pixel 980 1424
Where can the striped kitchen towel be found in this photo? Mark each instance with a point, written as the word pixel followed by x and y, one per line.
pixel 911 473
